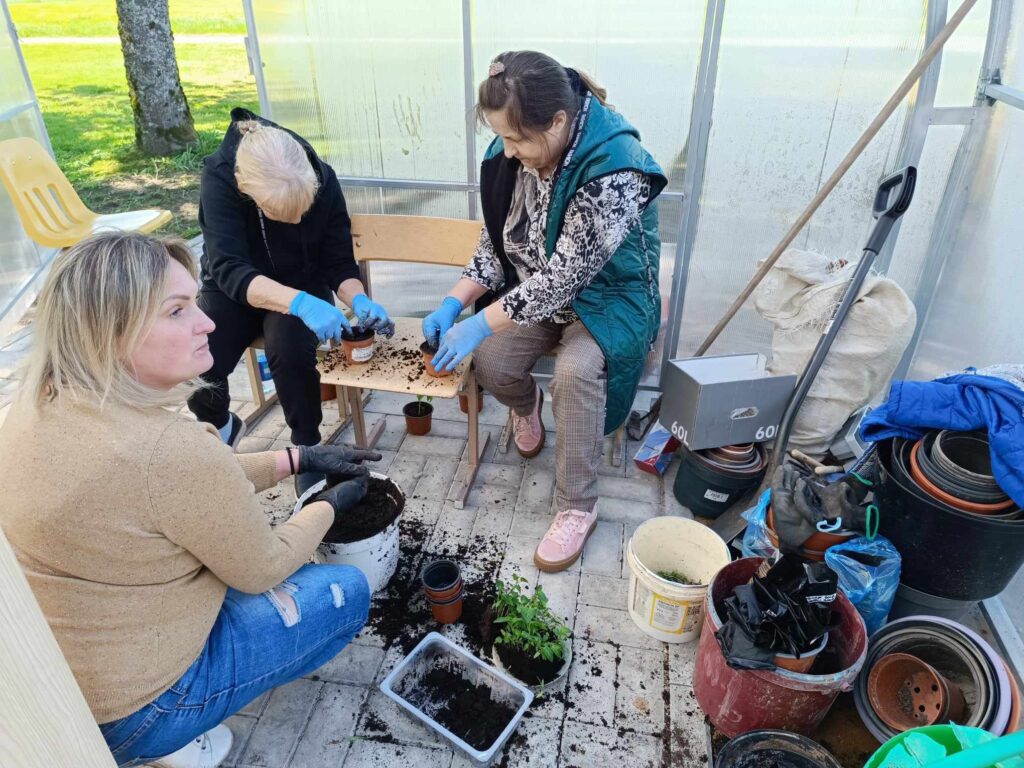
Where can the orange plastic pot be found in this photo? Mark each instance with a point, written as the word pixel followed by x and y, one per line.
pixel 447 612
pixel 358 345
pixel 464 402
pixel 418 417
pixel 802 663
pixel 929 487
pixel 428 355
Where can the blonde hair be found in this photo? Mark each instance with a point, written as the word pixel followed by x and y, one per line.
pixel 99 301
pixel 271 167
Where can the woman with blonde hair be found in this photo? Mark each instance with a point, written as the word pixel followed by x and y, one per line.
pixel 173 600
pixel 568 256
pixel 277 247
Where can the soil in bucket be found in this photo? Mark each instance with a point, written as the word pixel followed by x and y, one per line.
pixel 378 509
pixel 465 709
pixel 774 749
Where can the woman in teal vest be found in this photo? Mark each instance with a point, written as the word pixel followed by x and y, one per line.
pixel 568 256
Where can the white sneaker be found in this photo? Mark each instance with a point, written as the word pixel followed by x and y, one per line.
pixel 205 751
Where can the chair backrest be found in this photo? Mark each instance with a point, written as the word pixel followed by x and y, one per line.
pixel 415 239
pixel 49 208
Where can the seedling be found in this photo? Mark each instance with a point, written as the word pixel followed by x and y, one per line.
pixel 527 623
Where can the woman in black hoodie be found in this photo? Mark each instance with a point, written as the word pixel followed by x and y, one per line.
pixel 277 243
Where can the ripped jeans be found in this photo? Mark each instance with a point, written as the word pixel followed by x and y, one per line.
pixel 257 643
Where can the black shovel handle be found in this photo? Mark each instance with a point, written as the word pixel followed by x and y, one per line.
pixel 891 201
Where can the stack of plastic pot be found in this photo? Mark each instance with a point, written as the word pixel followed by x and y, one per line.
pixel 979 689
pixel 960 538
pixel 710 481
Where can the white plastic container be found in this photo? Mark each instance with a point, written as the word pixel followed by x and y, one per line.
pixel 400 686
pixel 377 556
pixel 666 610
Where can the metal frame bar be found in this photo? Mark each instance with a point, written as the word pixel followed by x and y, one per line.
pixel 916 129
pixel 1004 93
pixel 252 49
pixel 16 42
pixel 470 99
pixel 696 160
pixel 13 112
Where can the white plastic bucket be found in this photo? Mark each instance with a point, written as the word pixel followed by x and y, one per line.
pixel 666 610
pixel 376 557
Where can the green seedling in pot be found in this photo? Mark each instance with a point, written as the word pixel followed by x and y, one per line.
pixel 527 623
pixel 676 576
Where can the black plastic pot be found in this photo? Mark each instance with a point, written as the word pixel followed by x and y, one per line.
pixel 945 552
pixel 914 602
pixel 709 492
pixel 779 749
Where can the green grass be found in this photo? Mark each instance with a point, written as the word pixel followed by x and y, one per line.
pixel 84 99
pixel 98 18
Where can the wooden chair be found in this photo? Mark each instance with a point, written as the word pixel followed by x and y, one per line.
pixel 50 210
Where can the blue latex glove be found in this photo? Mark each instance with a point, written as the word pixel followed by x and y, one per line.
pixel 372 315
pixel 437 323
pixel 323 319
pixel 460 341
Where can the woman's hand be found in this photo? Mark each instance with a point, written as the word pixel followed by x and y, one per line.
pixel 322 318
pixel 372 315
pixel 460 341
pixel 335 460
pixel 438 322
pixel 343 496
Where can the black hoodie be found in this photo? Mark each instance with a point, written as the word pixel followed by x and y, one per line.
pixel 314 255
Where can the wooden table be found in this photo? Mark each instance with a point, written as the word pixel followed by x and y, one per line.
pixel 397 366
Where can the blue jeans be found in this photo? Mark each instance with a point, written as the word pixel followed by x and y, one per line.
pixel 257 643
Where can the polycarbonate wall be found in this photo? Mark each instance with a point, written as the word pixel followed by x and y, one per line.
pixel 382 88
pixel 20 258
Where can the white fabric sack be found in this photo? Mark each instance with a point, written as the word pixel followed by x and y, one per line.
pixel 799 297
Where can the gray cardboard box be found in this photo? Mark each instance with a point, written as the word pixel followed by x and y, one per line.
pixel 714 401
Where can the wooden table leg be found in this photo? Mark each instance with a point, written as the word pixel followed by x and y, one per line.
pixel 358 422
pixel 475 448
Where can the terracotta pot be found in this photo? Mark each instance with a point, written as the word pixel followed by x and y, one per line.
pixel 428 355
pixel 805 661
pixel 449 611
pixel 464 402
pixel 930 488
pixel 328 392
pixel 906 693
pixel 814 548
pixel 358 345
pixel 1015 702
pixel 418 417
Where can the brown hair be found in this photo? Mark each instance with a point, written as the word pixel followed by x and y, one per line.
pixel 531 87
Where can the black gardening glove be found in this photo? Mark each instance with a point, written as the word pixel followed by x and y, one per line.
pixel 345 495
pixel 336 461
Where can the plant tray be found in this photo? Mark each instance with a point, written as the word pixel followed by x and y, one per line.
pixel 435 651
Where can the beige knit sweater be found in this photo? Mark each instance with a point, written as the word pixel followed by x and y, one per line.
pixel 130 525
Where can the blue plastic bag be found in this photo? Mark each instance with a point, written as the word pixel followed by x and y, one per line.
pixel 755 540
pixel 869 575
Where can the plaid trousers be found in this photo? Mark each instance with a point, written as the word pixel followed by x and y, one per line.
pixel 502 364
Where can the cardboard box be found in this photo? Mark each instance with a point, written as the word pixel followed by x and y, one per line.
pixel 709 402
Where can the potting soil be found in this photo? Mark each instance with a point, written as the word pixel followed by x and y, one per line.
pixel 373 514
pixel 523 666
pixel 392 358
pixel 464 708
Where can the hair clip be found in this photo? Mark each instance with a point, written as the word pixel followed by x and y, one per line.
pixel 496 68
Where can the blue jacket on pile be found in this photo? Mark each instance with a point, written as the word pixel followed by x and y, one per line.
pixel 992 398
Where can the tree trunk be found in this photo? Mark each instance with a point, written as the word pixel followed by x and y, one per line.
pixel 163 122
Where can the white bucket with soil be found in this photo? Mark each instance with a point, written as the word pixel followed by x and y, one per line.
pixel 377 555
pixel 676 548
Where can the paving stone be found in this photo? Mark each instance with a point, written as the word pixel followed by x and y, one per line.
pixel 536 490
pixel 241 728
pixel 406 470
pixel 592 746
pixel 328 734
pixel 644 488
pixel 271 424
pixel 484 496
pixel 493 522
pixel 375 754
pixel 494 455
pixel 615 510
pixel 255 707
pixel 433 446
pixel 531 524
pixel 640 697
pixel 603 551
pixel 546 457
pixel 519 559
pixel 533 745
pixel 275 735
pixel 590 695
pixel 383 719
pixel 355 665
pixel 502 475
pixel 436 479
pixel 689 734
pixel 562 590
pixel 606 625
pixel 386 402
pixel 604 591
pixel 393 435
pixel 453 531
pixel 423 511
pixel 682 658
pixel 387 458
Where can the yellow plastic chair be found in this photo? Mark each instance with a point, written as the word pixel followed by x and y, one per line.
pixel 50 210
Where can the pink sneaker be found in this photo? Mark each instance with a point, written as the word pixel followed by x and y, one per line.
pixel 563 544
pixel 529 430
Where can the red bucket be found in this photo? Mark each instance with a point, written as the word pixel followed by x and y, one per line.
pixel 737 701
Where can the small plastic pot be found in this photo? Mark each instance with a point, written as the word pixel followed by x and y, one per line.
pixel 907 692
pixel 447 611
pixel 358 344
pixel 428 355
pixel 464 401
pixel 441 580
pixel 418 417
pixel 804 661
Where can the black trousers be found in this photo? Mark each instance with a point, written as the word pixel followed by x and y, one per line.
pixel 291 354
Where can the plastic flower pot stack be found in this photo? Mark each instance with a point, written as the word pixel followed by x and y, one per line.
pixel 924 670
pixel 741 700
pixel 960 538
pixel 712 480
pixel 445 590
